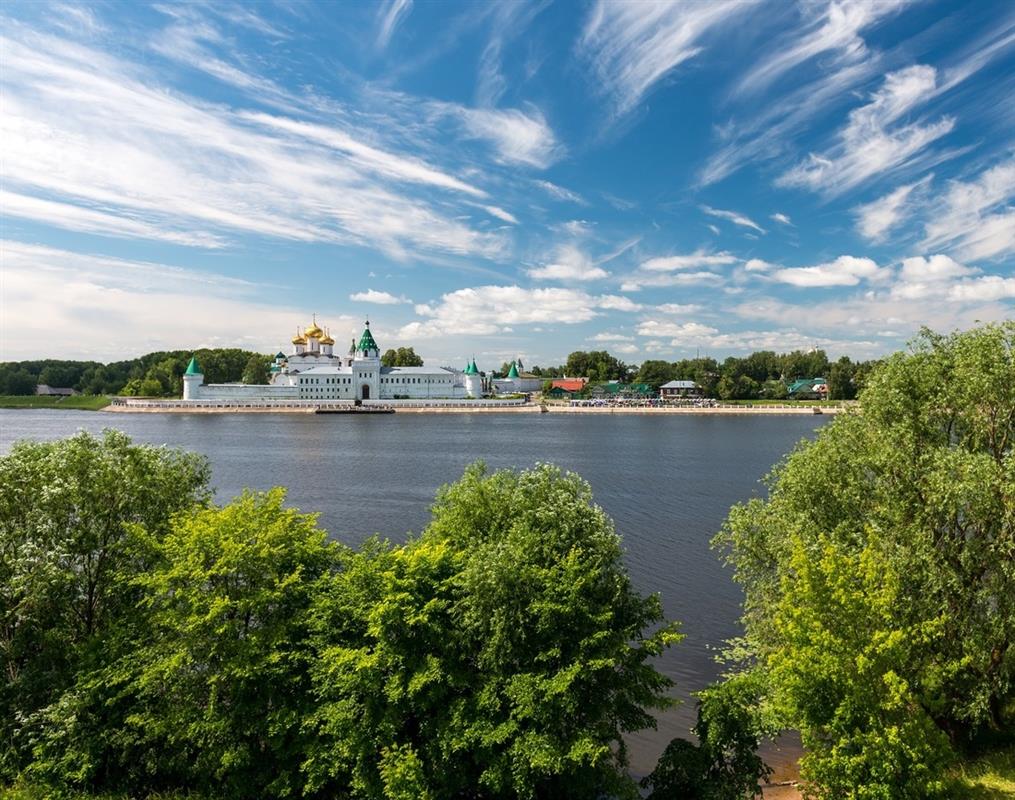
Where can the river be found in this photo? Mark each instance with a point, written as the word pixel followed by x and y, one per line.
pixel 667 481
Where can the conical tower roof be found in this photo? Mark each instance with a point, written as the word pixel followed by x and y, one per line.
pixel 513 372
pixel 366 341
pixel 193 368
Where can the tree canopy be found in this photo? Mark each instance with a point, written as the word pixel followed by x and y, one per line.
pixel 402 357
pixel 153 641
pixel 879 574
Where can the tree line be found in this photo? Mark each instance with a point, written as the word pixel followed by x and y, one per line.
pixel 764 374
pixel 158 374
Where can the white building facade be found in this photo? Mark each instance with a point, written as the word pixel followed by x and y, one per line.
pixel 314 372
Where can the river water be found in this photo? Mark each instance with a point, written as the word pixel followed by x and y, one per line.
pixel 667 481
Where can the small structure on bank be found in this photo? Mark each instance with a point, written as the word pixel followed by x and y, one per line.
pixel 678 390
pixel 808 389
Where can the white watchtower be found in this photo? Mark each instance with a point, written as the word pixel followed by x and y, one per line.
pixel 192 380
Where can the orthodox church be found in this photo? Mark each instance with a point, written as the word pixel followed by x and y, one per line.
pixel 313 371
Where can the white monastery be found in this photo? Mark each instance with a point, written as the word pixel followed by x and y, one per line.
pixel 314 372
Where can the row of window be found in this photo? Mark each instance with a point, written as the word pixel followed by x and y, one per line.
pixel 317 381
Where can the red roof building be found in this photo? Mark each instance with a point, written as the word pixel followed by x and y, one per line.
pixel 570 384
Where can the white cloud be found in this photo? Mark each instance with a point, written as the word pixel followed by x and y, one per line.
pixel 697 259
pixel 985 289
pixel 560 193
pixel 501 214
pixel 781 218
pixel 870 144
pixel 88 220
pixel 713 228
pixel 631 46
pixel 972 217
pixel 734 217
pixel 607 336
pixel 637 282
pixel 935 268
pixel 94 299
pixel 758 265
pixel 518 137
pixel 876 218
pixel 625 349
pixel 390 14
pixel 834 28
pixel 486 310
pixel 569 264
pixel 678 308
pixel 679 333
pixel 82 128
pixel 617 302
pixel 379 298
pixel 844 271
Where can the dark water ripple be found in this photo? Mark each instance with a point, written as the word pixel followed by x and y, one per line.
pixel 668 483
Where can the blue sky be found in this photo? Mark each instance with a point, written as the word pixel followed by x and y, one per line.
pixel 505 179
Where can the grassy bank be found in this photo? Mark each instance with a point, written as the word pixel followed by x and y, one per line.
pixel 990 777
pixel 81 402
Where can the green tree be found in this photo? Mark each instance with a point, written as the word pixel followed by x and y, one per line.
pixel 66 565
pixel 597 365
pixel 655 373
pixel 840 380
pixel 17 381
pixel 256 370
pixel 879 580
pixel 402 357
pixel 503 653
pixel 223 685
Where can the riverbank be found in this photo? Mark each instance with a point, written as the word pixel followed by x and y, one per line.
pixel 79 402
pixel 531 408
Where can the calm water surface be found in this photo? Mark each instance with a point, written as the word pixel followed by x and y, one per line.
pixel 668 483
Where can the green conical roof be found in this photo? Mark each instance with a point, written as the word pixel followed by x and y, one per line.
pixel 366 341
pixel 193 368
pixel 468 369
pixel 513 372
pixel 475 369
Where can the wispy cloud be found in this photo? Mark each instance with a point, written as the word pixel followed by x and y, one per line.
pixel 97 297
pixel 871 144
pixel 695 260
pixel 560 193
pixel 83 128
pixel 973 217
pixel 569 263
pixel 782 219
pixel 389 15
pixel 875 219
pixel 632 46
pixel 832 27
pixel 734 217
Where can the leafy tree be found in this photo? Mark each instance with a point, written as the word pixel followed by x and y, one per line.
pixel 840 380
pixel 17 381
pixel 597 365
pixel 223 685
pixel 879 580
pixel 256 371
pixel 66 564
pixel 501 654
pixel 724 765
pixel 402 357
pixel 655 373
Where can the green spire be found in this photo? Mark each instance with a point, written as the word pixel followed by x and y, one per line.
pixel 366 341
pixel 193 368
pixel 513 372
pixel 475 369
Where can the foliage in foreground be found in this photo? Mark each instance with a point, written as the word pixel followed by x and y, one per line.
pixel 880 573
pixel 155 643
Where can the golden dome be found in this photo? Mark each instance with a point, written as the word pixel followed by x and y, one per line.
pixel 299 340
pixel 327 340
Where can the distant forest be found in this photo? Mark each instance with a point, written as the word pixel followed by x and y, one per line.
pixel 761 375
